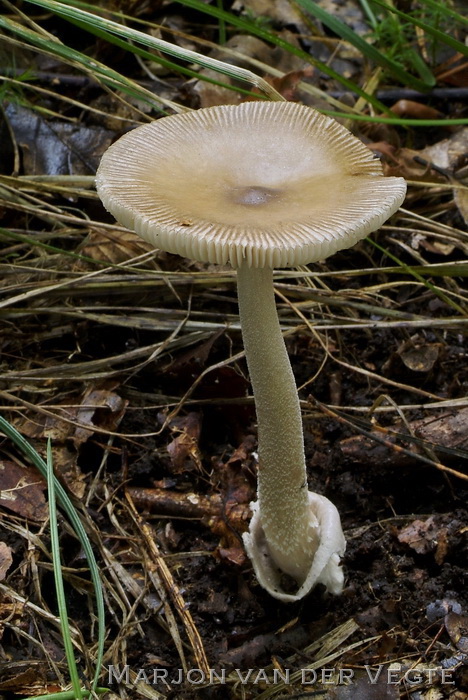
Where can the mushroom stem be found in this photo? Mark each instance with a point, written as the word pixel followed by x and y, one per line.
pixel 289 527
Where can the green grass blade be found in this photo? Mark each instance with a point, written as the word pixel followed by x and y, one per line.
pixel 222 25
pixel 443 37
pixel 423 69
pixel 58 578
pixel 58 251
pixel 250 27
pixel 143 53
pixel 445 10
pixel 368 50
pixel 443 269
pixel 64 501
pixel 400 121
pixel 414 273
pixel 67 694
pixel 76 14
pixel 371 18
pixel 107 75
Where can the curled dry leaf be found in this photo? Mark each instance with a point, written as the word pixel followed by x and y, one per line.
pixel 431 245
pixel 451 155
pixel 415 110
pixel 46 426
pixel 425 536
pixel 448 154
pixel 414 165
pixel 183 450
pixel 287 85
pixel 236 475
pixel 418 355
pixel 100 407
pixel 235 554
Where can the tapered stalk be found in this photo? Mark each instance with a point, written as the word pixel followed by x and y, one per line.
pixel 282 481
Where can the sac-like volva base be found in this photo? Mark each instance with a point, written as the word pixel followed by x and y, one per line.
pixel 324 568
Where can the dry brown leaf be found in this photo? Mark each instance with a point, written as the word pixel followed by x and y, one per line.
pixel 461 200
pixel 425 536
pixel 419 357
pixel 450 153
pixel 42 425
pixel 410 167
pixel 243 452
pixel 22 491
pixel 280 11
pixel 64 458
pixel 457 628
pixel 6 559
pixel 101 407
pixel 26 678
pixel 113 247
pixel 236 555
pixel 54 147
pixel 183 450
pixel 288 83
pixel 433 246
pixel 415 110
pixel 211 95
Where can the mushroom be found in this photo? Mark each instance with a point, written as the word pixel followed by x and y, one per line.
pixel 259 185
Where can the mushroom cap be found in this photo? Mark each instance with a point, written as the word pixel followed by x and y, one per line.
pixel 272 184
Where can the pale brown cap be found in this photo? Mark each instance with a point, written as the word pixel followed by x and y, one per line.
pixel 275 184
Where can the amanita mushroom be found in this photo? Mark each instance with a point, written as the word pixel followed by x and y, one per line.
pixel 259 185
